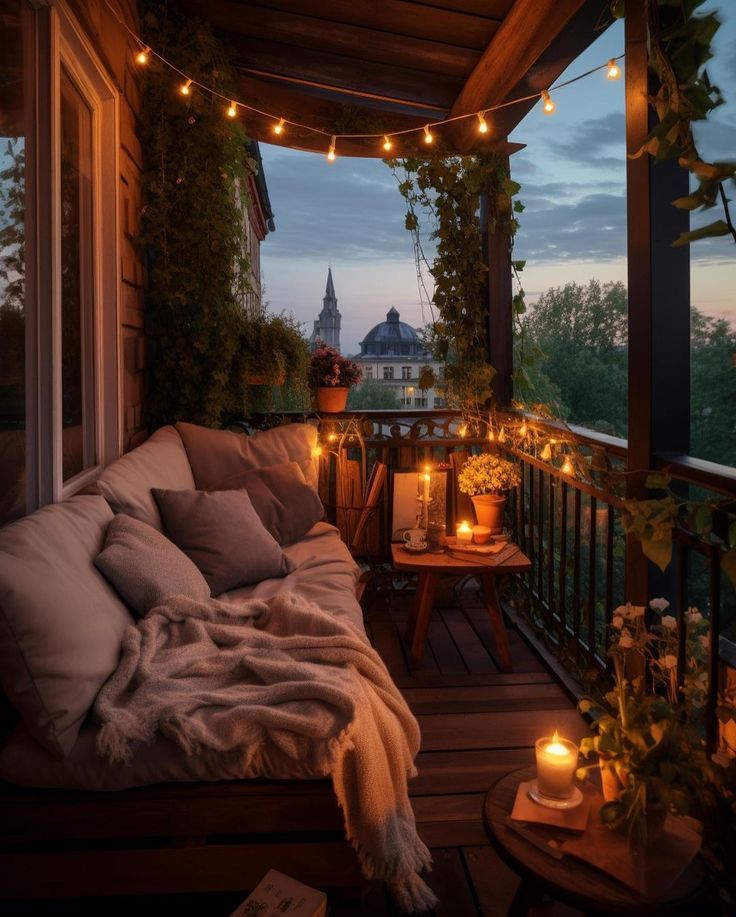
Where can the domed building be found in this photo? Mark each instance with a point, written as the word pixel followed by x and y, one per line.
pixel 393 354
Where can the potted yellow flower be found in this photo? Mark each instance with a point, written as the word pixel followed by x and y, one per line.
pixel 485 478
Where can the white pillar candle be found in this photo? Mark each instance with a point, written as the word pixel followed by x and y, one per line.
pixel 557 760
pixel 464 533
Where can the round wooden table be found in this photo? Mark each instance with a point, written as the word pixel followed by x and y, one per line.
pixel 569 879
pixel 430 567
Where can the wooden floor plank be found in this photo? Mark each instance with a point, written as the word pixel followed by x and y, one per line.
pixel 449 881
pixel 485 698
pixel 449 660
pixel 443 732
pixel 452 820
pixel 435 680
pixel 386 642
pixel 476 657
pixel 467 771
pixel 493 882
pixel 524 659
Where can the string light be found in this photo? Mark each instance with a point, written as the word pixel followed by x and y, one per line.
pixel 491 436
pixel 548 106
pixel 523 430
pixel 546 453
pixel 317 452
pixel 502 435
pixel 567 467
pixel 142 57
pixel 463 431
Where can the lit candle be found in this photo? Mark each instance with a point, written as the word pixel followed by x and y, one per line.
pixel 426 479
pixel 557 760
pixel 464 533
pixel 481 534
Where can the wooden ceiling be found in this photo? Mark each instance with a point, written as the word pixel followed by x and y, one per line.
pixel 360 66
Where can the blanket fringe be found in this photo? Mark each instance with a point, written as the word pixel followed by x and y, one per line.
pixel 412 894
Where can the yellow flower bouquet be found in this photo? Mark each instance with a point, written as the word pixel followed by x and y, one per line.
pixel 488 473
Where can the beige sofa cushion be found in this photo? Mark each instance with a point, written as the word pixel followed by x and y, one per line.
pixel 216 455
pixel 145 566
pixel 286 505
pixel 61 623
pixel 160 462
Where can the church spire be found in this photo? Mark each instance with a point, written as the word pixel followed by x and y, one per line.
pixel 330 288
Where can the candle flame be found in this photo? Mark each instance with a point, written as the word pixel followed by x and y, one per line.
pixel 556 746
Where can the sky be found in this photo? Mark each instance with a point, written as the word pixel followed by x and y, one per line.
pixel 349 213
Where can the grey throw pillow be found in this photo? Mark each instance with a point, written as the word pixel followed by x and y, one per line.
pixel 222 534
pixel 145 567
pixel 285 503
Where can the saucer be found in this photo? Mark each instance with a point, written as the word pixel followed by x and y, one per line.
pixel 572 802
pixel 411 550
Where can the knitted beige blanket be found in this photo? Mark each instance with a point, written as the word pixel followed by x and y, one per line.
pixel 278 675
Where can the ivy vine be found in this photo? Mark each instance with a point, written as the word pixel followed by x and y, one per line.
pixel 447 191
pixel 196 195
pixel 680 45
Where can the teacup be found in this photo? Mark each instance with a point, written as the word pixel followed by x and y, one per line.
pixel 416 539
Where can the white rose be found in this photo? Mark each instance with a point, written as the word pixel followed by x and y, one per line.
pixel 670 661
pixel 626 642
pixel 693 616
pixel 618 622
pixel 669 622
pixel 659 605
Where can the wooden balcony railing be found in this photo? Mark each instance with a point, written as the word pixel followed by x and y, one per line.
pixel 569 528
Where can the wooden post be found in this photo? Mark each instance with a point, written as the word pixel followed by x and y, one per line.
pixel 659 292
pixel 497 252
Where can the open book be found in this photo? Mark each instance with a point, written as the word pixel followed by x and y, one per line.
pixel 277 895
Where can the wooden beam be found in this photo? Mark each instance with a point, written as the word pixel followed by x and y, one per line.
pixel 313 109
pixel 659 291
pixel 356 41
pixel 401 83
pixel 524 35
pixel 432 21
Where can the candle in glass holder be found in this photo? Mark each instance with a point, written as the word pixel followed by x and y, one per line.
pixel 557 760
pixel 464 533
pixel 481 534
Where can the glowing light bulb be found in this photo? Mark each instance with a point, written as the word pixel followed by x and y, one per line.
pixel 548 106
pixel 232 111
pixel 614 71
pixel 567 467
pixel 185 88
pixel 317 451
pixel 523 430
pixel 279 128
pixel 331 151
pixel 387 143
pixel 546 453
pixel 502 435
pixel 428 138
pixel 463 431
pixel 491 436
pixel 142 57
pixel 482 123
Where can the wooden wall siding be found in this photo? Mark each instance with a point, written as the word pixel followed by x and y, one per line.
pixel 115 50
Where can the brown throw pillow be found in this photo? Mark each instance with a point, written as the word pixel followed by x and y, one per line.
pixel 285 503
pixel 222 534
pixel 145 567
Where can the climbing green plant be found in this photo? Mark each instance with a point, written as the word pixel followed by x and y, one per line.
pixel 195 198
pixel 447 191
pixel 680 45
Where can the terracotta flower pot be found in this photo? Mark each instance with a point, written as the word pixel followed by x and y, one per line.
pixel 489 511
pixel 332 399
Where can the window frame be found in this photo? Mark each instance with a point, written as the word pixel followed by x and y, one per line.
pixel 61 42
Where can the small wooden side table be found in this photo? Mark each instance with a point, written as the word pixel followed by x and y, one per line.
pixel 430 567
pixel 571 880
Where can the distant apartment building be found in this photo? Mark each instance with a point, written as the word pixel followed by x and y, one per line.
pixel 393 354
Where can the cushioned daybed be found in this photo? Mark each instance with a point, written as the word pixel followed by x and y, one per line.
pixel 61 625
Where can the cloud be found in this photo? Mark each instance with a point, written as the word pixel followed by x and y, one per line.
pixel 595 142
pixel 349 209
